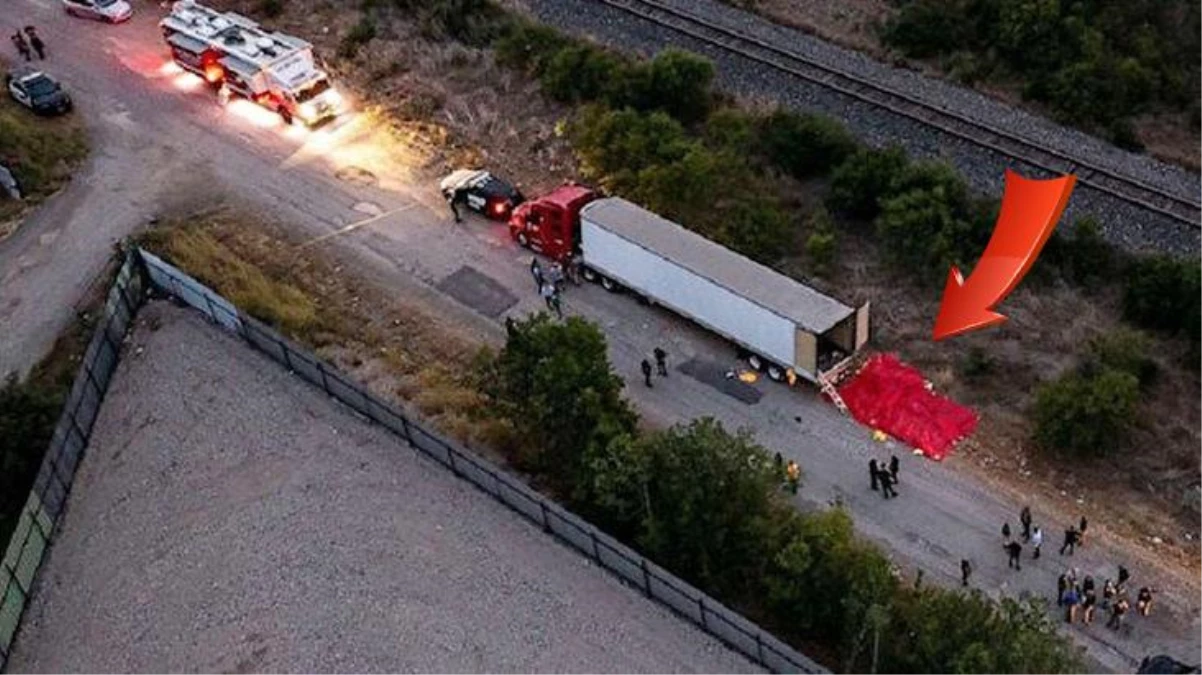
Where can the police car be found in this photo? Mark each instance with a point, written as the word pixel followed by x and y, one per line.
pixel 481 192
pixel 37 91
pixel 112 11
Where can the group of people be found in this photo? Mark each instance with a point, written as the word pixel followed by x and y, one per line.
pixel 661 365
pixel 1082 597
pixel 549 282
pixel 29 43
pixel 792 472
pixel 884 477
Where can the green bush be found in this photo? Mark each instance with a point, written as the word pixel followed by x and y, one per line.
pixel 28 413
pixel 271 8
pixel 863 180
pixel 1162 293
pixel 473 22
pixel 1124 350
pixel 529 46
pixel 678 83
pixel 977 364
pixel 805 145
pixel 553 381
pixel 822 244
pixel 1086 413
pixel 360 34
pixel 1084 257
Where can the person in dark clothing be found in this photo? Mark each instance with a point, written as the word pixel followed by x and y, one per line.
pixel 1081 531
pixel 886 484
pixel 556 303
pixel 646 365
pixel 1070 541
pixel 1089 603
pixel 1006 530
pixel 536 271
pixel 1117 611
pixel 661 362
pixel 894 465
pixel 779 461
pixel 21 45
pixel 873 473
pixel 1108 592
pixel 1014 550
pixel 1061 587
pixel 1087 584
pixel 1025 519
pixel 35 41
pixel 965 571
pixel 1124 575
pixel 1143 601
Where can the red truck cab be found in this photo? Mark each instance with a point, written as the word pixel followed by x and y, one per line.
pixel 551 223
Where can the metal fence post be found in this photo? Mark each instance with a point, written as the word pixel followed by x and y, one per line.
pixel 759 647
pixel 596 551
pixel 546 523
pixel 284 351
pixel 646 576
pixel 451 458
pixel 405 428
pixel 209 304
pixel 325 384
pixel 701 607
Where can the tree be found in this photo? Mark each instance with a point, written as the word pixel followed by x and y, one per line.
pixel 28 413
pixel 553 381
pixel 615 145
pixel 675 81
pixel 582 73
pixel 822 244
pixel 701 501
pixel 860 183
pixel 1124 350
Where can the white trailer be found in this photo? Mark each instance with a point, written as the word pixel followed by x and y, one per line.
pixel 783 326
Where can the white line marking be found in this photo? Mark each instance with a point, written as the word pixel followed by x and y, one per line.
pixel 356 225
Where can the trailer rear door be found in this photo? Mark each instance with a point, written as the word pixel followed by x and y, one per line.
pixel 862 325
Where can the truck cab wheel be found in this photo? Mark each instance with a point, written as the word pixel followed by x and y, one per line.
pixel 590 275
pixel 523 240
pixel 755 362
pixel 286 116
pixel 610 285
pixel 776 373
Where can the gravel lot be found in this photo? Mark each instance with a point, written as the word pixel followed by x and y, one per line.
pixel 1125 224
pixel 229 518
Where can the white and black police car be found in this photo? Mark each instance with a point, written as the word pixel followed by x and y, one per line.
pixel 37 91
pixel 481 192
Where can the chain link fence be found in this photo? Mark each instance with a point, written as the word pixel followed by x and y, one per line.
pixel 42 511
pixel 656 583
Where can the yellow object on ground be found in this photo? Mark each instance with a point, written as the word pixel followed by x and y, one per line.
pixel 879 436
pixel 748 376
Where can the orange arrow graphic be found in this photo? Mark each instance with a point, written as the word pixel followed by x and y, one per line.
pixel 1030 211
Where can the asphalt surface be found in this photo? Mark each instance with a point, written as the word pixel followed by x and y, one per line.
pixel 160 145
pixel 229 517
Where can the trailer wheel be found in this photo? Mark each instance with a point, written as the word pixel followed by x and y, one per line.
pixel 610 285
pixel 590 275
pixel 755 362
pixel 776 373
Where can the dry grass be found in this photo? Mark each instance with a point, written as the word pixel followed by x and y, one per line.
pixel 849 23
pixel 397 347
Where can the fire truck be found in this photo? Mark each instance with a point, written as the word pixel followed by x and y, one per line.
pixel 238 57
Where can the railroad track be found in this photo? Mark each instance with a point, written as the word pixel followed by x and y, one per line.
pixel 1183 210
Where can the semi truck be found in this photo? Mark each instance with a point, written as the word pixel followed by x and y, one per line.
pixel 782 327
pixel 240 58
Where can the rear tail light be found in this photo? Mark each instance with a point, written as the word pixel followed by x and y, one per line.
pixel 500 208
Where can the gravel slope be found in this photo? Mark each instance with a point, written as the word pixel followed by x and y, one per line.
pixel 230 518
pixel 1122 223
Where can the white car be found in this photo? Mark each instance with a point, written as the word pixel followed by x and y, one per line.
pixel 112 11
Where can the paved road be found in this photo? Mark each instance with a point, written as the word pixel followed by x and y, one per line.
pixel 160 145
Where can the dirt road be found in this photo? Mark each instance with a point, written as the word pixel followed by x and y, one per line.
pixel 161 142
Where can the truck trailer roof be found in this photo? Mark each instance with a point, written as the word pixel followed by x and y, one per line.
pixel 806 307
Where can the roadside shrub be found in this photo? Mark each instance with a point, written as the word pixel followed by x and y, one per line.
pixel 583 73
pixel 865 178
pixel 732 130
pixel 28 413
pixel 1124 350
pixel 1086 413
pixel 360 34
pixel 757 227
pixel 804 145
pixel 271 8
pixel 676 81
pixel 822 244
pixel 1162 293
pixel 1084 257
pixel 615 145
pixel 528 46
pixel 977 364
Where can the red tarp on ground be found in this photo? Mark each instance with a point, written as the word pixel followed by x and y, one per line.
pixel 889 395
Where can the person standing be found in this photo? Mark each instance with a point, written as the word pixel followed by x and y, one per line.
pixel 1071 599
pixel 1088 604
pixel 21 45
pixel 793 475
pixel 1143 601
pixel 965 571
pixel 1061 588
pixel 1014 550
pixel 548 292
pixel 1070 541
pixel 780 463
pixel 573 268
pixel 887 484
pixel 1108 593
pixel 661 361
pixel 453 202
pixel 1124 575
pixel 556 302
pixel 646 365
pixel 1117 611
pixel 894 465
pixel 1025 519
pixel 555 276
pixel 1006 531
pixel 536 271
pixel 873 473
pixel 39 47
pixel 1036 541
pixel 1081 531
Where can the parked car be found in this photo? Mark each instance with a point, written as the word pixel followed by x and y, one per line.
pixel 481 192
pixel 112 11
pixel 37 91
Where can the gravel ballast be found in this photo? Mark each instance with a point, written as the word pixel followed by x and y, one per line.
pixel 1125 224
pixel 230 518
